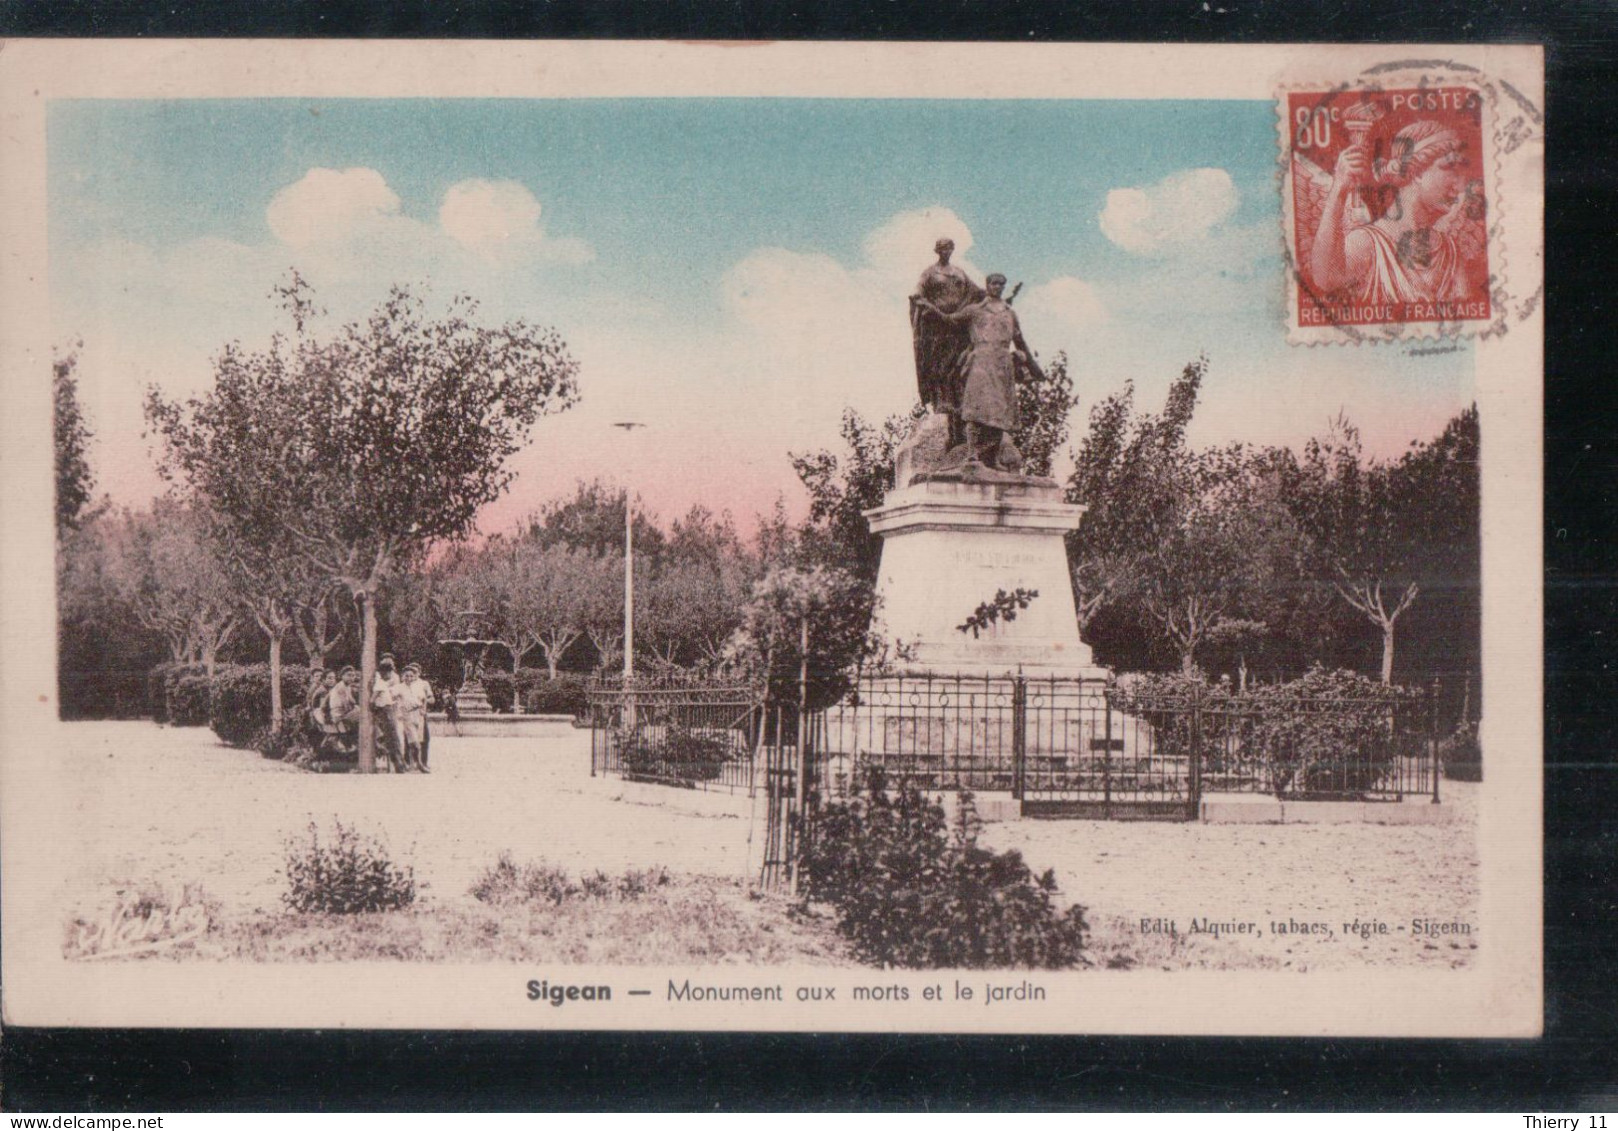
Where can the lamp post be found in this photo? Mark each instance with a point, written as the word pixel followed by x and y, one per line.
pixel 629 566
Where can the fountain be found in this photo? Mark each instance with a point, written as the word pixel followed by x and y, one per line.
pixel 470 698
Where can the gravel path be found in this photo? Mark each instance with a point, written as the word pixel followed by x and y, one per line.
pixel 1332 874
pixel 155 803
pixel 164 803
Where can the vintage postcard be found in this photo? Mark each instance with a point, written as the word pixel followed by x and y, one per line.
pixel 772 536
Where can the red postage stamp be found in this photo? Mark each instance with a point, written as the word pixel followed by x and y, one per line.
pixel 1387 207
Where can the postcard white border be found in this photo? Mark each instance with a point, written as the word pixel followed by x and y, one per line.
pixel 1501 996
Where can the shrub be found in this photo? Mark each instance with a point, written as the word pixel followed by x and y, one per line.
pixel 1331 733
pixel 676 753
pixel 188 701
pixel 347 874
pixel 103 693
pixel 499 688
pixel 506 882
pixel 286 742
pixel 160 682
pixel 567 694
pixel 1461 755
pixel 911 892
pixel 239 705
pixel 536 691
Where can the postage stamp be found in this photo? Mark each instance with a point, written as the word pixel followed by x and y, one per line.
pixel 1390 194
pixel 1389 209
pixel 714 536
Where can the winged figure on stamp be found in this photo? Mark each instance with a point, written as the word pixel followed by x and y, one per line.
pixel 1407 227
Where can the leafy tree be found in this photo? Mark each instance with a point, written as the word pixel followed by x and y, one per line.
pixel 1133 473
pixel 1045 404
pixel 694 597
pixel 321 616
pixel 547 587
pixel 842 487
pixel 592 519
pixel 75 481
pixel 808 623
pixel 103 649
pixel 601 601
pixel 375 441
pixel 1384 530
pixel 1226 552
pixel 166 571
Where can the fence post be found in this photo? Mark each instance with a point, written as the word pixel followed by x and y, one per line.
pixel 1019 734
pixel 1195 768
pixel 799 819
pixel 1432 737
pixel 1106 758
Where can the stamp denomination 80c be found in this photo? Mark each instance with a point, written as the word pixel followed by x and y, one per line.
pixel 1388 197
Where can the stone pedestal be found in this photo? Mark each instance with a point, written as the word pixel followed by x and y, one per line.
pixel 949 543
pixel 471 699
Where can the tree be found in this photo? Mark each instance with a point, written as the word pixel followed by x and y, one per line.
pixel 601 602
pixel 1132 472
pixel 842 487
pixel 1384 530
pixel 1225 551
pixel 75 481
pixel 321 618
pixel 166 571
pixel 694 596
pixel 375 441
pixel 103 650
pixel 272 584
pixel 548 590
pixel 804 623
pixel 593 520
pixel 1045 404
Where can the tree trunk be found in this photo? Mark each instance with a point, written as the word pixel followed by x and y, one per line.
pixel 550 661
pixel 1387 651
pixel 367 601
pixel 275 681
pixel 1188 662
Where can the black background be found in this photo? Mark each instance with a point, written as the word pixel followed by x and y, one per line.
pixel 1573 1069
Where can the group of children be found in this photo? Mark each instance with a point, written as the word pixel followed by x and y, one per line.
pixel 398 701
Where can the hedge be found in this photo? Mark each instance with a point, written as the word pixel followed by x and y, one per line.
pixel 160 685
pixel 239 706
pixel 537 691
pixel 567 694
pixel 677 754
pixel 188 700
pixel 117 693
pixel 1327 733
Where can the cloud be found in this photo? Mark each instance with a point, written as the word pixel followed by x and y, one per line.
pixel 499 222
pixel 1178 211
pixel 328 206
pixel 899 250
pixel 1061 307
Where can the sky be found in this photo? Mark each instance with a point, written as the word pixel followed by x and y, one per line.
pixel 731 272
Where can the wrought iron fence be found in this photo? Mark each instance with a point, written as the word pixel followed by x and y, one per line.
pixel 1062 746
pixel 1327 749
pixel 1081 747
pixel 680 732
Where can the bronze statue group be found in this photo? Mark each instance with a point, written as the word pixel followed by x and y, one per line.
pixel 968 346
pixel 398 703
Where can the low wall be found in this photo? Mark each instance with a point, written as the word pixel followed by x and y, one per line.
pixel 491 725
